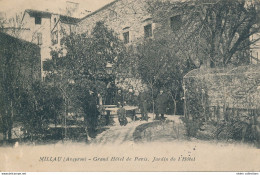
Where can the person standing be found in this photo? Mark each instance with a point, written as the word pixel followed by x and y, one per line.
pixel 111 92
pixel 143 105
pixel 100 100
pixel 119 99
pixel 161 105
pixel 121 113
pixel 91 112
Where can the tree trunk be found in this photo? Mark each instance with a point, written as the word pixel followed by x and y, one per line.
pixel 9 121
pixel 5 126
pixel 174 103
pixel 175 106
pixel 153 100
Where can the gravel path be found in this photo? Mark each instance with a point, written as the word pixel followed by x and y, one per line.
pixel 117 134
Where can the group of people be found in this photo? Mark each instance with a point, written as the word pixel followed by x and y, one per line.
pixel 144 104
pixel 121 112
pixel 160 105
pixel 143 100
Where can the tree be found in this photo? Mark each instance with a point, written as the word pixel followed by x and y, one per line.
pixel 12 25
pixel 84 68
pixel 23 98
pixel 38 107
pixel 228 25
pixel 215 33
pixel 17 70
pixel 211 32
pixel 160 68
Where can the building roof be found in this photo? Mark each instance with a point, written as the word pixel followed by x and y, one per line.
pixel 45 14
pixel 100 9
pixel 39 13
pixel 68 19
pixel 248 69
pixel 115 1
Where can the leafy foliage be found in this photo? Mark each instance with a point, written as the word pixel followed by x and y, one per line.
pixel 161 68
pixel 84 69
pixel 38 108
pixel 196 105
pixel 19 67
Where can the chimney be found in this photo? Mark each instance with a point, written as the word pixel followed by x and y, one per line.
pixel 71 8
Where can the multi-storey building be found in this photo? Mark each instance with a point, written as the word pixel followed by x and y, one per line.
pixel 131 20
pixel 43 28
pixel 46 29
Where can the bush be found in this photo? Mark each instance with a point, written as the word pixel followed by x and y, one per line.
pixel 196 106
pixel 38 108
pixel 192 126
pixel 236 129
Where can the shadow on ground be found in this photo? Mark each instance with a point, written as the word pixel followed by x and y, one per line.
pixel 159 131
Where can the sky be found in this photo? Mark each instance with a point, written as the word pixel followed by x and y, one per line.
pixel 10 7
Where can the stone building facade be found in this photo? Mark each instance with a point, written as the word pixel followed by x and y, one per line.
pixel 126 17
pixel 132 20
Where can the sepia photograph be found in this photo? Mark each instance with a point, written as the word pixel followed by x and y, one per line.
pixel 130 86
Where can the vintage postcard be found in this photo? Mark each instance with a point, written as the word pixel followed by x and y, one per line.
pixel 129 86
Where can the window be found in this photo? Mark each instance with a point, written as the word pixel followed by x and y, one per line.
pixel 54 20
pixel 39 38
pixel 38 20
pixel 175 22
pixel 54 38
pixel 112 15
pixel 148 31
pixel 126 37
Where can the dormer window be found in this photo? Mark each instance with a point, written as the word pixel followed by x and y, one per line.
pixel 38 20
